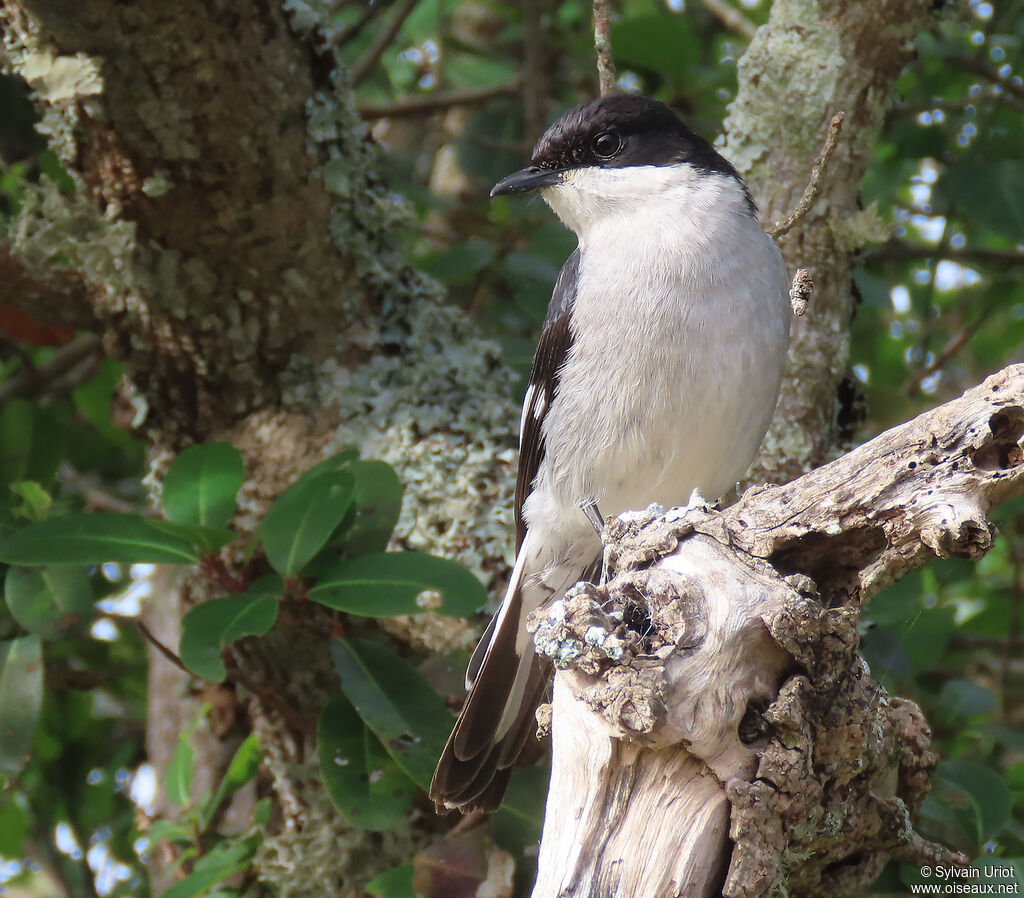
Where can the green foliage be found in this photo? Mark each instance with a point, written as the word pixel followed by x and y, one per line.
pixel 365 784
pixel 21 692
pixel 396 703
pixel 202 483
pixel 303 518
pixel 211 625
pixel 394 883
pixel 212 858
pixel 383 584
pixel 942 305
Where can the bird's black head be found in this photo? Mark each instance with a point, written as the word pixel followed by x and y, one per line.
pixel 614 132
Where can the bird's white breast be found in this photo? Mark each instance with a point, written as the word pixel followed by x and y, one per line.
pixel 680 329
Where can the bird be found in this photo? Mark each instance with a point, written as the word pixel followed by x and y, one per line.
pixel 657 372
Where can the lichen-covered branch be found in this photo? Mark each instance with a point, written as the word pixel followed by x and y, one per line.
pixel 669 714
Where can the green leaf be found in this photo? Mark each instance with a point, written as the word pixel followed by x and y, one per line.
pixel 517 823
pixel 50 599
pixel 212 624
pixel 365 784
pixel 303 518
pixel 396 703
pixel 216 865
pixel 242 768
pixel 35 501
pixel 393 883
pixel 13 826
pixel 170 831
pixel 1005 736
pixel 205 539
pixel 987 794
pixel 658 43
pixel 989 194
pixel 179 771
pixel 378 502
pixel 202 484
pixel 965 698
pixel 21 695
pixel 388 583
pixel 94 539
pixel 31 443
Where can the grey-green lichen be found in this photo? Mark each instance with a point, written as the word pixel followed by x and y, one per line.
pixel 314 852
pixel 795 62
pixel 438 405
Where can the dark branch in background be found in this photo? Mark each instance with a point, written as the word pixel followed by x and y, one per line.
pixel 440 101
pixel 732 18
pixel 365 65
pixel 897 251
pixel 813 187
pixel 603 46
pixel 983 70
pixel 352 31
pixel 533 76
pixel 70 367
pixel 62 298
pixel 953 345
pixel 96 497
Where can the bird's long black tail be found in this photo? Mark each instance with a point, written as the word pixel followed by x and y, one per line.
pixel 506 680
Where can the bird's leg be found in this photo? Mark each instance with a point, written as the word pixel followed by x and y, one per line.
pixel 593 513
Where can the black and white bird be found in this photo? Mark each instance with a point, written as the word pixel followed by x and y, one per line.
pixel 657 372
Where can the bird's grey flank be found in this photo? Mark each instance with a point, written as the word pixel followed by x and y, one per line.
pixel 657 373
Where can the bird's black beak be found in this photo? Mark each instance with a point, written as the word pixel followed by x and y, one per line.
pixel 526 181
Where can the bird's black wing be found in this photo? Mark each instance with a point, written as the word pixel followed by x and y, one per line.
pixel 555 340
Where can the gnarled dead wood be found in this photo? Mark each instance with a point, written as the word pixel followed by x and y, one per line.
pixel 712 690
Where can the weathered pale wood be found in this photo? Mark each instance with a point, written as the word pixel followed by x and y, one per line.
pixel 716 676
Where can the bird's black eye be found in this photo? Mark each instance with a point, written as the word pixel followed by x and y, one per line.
pixel 606 144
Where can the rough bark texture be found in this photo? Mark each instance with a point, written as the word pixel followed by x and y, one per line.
pixel 727 642
pixel 815 58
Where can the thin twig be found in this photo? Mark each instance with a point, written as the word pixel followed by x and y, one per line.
pixel 365 65
pixel 732 18
pixel 159 646
pixel 813 187
pixel 299 721
pixel 34 381
pixel 983 70
pixel 439 100
pixel 603 46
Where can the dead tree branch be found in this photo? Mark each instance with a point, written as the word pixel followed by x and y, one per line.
pixel 365 64
pixel 670 726
pixel 603 46
pixel 813 187
pixel 439 101
pixel 732 18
